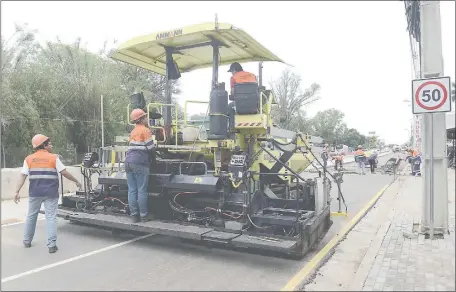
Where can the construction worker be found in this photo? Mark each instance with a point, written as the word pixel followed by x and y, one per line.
pixel 360 159
pixel 137 164
pixel 325 157
pixel 415 162
pixel 338 160
pixel 42 169
pixel 372 159
pixel 238 76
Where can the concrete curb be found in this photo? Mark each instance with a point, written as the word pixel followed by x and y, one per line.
pixel 319 259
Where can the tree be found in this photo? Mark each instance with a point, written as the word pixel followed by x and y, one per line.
pixel 352 138
pixel 290 100
pixel 17 50
pixel 55 89
pixel 329 125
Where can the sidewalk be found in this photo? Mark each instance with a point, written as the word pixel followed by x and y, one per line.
pixel 382 253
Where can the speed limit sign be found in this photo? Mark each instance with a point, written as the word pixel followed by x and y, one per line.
pixel 432 95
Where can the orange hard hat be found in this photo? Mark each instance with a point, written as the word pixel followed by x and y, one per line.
pixel 38 139
pixel 136 114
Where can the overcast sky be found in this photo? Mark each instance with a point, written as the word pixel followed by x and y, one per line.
pixel 358 51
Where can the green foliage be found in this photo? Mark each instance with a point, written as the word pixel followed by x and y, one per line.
pixel 353 138
pixel 55 89
pixel 289 113
pixel 329 124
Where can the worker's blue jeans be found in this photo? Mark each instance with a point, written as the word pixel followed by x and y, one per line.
pixel 138 181
pixel 50 208
pixel 360 164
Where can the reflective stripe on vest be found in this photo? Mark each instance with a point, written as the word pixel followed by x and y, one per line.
pixel 43 175
pixel 141 139
pixel 140 143
pixel 244 77
pixel 359 154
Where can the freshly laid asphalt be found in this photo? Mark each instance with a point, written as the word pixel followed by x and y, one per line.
pixel 157 262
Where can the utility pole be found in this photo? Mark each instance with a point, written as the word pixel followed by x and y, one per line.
pixel 435 179
pixel 102 121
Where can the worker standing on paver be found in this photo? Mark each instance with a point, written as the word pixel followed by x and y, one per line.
pixel 372 159
pixel 137 164
pixel 360 159
pixel 42 168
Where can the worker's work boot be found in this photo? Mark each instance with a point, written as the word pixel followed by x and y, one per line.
pixel 27 244
pixel 134 219
pixel 144 219
pixel 53 249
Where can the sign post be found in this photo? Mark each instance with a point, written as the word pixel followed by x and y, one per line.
pixel 430 96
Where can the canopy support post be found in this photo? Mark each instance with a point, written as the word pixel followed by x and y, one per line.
pixel 168 96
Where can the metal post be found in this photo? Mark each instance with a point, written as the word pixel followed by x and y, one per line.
pixel 435 177
pixel 1 145
pixel 102 119
pixel 215 57
pixel 431 183
pixel 260 74
pixel 215 60
pixel 167 110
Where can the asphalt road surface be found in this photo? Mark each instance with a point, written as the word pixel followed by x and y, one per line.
pixel 92 259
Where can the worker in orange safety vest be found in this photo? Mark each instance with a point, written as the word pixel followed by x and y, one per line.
pixel 137 163
pixel 415 162
pixel 360 159
pixel 338 160
pixel 42 169
pixel 238 76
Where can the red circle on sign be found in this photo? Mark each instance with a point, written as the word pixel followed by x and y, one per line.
pixel 430 108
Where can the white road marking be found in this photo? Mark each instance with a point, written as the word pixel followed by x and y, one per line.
pixel 17 223
pixel 20 275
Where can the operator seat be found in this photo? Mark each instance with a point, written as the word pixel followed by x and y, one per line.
pixel 247 98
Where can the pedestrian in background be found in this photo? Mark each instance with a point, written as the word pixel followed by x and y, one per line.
pixel 373 161
pixel 360 159
pixel 42 169
pixel 325 157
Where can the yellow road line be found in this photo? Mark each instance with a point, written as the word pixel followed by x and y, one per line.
pixel 310 267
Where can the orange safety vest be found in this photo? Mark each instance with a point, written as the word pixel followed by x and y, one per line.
pixel 359 154
pixel 140 143
pixel 242 77
pixel 339 157
pixel 43 175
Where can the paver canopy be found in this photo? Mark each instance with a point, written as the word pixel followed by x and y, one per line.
pixel 192 48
